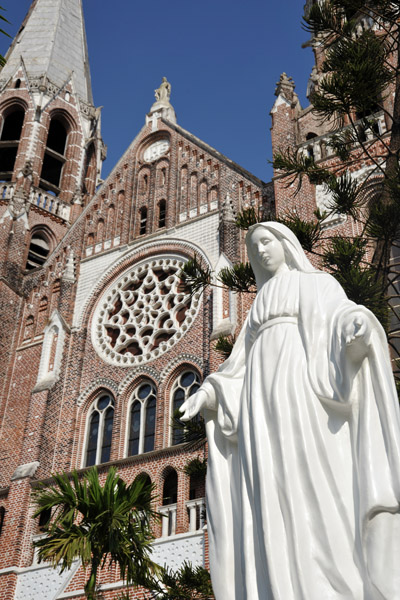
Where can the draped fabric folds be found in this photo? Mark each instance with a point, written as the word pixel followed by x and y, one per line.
pixel 303 481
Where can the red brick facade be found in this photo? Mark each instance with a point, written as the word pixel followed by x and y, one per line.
pixel 61 248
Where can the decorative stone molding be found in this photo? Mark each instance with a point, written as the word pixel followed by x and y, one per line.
pixel 27 470
pixel 162 247
pixel 175 550
pixel 144 313
pixel 97 384
pixel 137 372
pixel 52 350
pixel 189 359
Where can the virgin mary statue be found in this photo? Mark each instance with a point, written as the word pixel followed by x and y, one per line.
pixel 303 426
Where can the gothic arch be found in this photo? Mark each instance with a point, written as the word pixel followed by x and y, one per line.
pixel 132 256
pixel 87 396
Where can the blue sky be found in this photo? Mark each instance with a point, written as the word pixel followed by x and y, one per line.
pixel 222 58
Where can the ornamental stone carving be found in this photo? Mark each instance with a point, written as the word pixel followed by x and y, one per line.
pixel 146 311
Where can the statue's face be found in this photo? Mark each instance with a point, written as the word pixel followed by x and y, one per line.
pixel 268 250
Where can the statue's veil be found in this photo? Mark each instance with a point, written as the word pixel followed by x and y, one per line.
pixel 294 253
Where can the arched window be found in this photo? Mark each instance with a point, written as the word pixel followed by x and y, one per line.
pixel 186 384
pixel 311 135
pixel 9 141
pixel 2 515
pixel 143 220
pixel 44 519
pixel 162 213
pixel 17 84
pixel 142 423
pixel 99 433
pixel 54 156
pixel 170 489
pixel 39 249
pixel 170 498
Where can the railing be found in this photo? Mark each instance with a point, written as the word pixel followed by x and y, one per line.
pixel 168 525
pixel 197 513
pixel 39 198
pixel 197 517
pixel 318 147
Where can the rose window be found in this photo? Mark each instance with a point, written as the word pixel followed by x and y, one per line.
pixel 145 313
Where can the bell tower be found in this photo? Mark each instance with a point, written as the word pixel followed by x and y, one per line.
pixel 50 144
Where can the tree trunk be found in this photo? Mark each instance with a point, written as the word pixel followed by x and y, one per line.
pixel 90 587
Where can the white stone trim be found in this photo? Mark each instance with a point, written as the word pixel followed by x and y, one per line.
pixel 46 377
pixel 144 309
pixel 97 384
pixel 108 263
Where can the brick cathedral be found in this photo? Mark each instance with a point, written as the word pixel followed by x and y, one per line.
pixel 101 340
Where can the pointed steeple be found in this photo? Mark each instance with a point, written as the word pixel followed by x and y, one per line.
pixel 52 44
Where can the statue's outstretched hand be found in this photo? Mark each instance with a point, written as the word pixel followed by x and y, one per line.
pixel 193 405
pixel 357 334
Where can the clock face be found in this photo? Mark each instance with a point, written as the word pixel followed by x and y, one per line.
pixel 156 150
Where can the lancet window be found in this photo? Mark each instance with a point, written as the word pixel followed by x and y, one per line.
pixel 143 220
pixel 185 385
pixel 2 514
pixel 162 213
pixel 9 141
pixel 142 423
pixel 54 156
pixel 99 431
pixel 39 249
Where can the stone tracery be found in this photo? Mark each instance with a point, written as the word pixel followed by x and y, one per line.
pixel 145 313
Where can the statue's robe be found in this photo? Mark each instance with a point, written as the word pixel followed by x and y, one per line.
pixel 303 482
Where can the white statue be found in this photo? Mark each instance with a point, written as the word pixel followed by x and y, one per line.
pixel 163 93
pixel 303 426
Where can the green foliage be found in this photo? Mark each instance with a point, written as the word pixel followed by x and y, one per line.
pixel 296 166
pixel 362 287
pixel 224 345
pixel 345 253
pixel 342 143
pixel 193 431
pixel 196 467
pixel 384 221
pixel 246 218
pixel 196 275
pixel 96 523
pixel 346 193
pixel 307 232
pixel 340 15
pixel 238 278
pixel 356 76
pixel 188 583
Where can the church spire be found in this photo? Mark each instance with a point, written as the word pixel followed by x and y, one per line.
pixel 52 44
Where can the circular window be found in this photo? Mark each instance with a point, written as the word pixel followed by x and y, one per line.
pixel 146 311
pixel 156 150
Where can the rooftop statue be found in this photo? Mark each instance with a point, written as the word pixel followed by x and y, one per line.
pixel 303 426
pixel 163 93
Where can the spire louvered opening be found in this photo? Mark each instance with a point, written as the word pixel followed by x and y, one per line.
pixel 9 141
pixel 54 156
pixel 39 249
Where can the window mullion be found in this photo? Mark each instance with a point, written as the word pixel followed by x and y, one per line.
pixel 142 425
pixel 100 438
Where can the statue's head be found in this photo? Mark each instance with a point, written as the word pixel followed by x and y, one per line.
pixel 271 244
